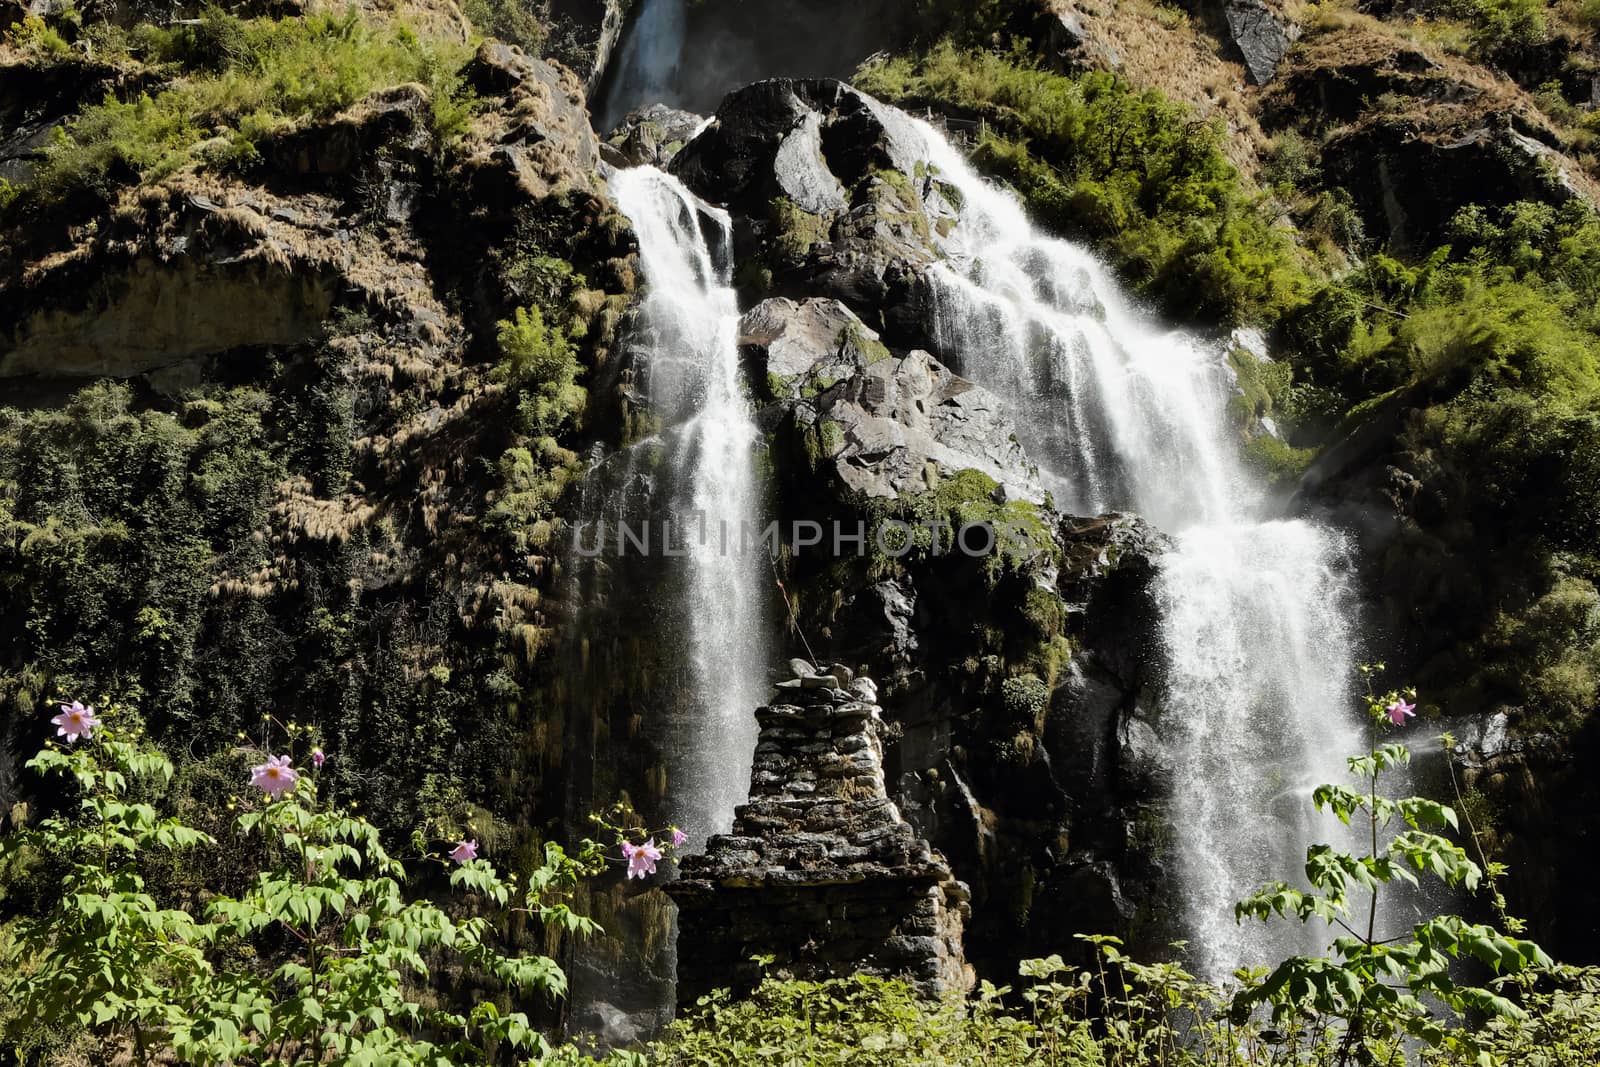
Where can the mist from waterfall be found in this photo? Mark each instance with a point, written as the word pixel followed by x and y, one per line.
pixel 685 344
pixel 1122 414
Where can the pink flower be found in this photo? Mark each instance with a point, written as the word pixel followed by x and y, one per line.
pixel 274 777
pixel 318 758
pixel 642 859
pixel 1400 711
pixel 464 851
pixel 75 721
pixel 678 837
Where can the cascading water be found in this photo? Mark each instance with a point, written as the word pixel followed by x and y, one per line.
pixel 647 70
pixel 1123 415
pixel 686 344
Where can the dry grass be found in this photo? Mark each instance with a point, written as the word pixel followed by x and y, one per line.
pixel 1181 58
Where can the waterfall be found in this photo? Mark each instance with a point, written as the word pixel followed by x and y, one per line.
pixel 647 70
pixel 1122 414
pixel 686 345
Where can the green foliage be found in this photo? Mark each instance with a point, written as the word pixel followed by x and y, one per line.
pixel 1501 25
pixel 111 516
pixel 1492 344
pixel 795 230
pixel 1132 170
pixel 513 21
pixel 245 80
pixel 869 1021
pixel 540 368
pixel 36 38
pixel 1279 462
pixel 542 364
pixel 318 962
pixel 931 523
pixel 1381 990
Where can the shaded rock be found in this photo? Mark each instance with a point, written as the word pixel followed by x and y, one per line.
pixel 584 36
pixel 1409 186
pixel 819 179
pixel 1261 35
pixel 1069 45
pixel 395 120
pixel 650 136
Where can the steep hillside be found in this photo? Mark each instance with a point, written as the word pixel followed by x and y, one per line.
pixel 322 340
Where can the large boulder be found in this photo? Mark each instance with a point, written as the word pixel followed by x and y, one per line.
pixel 1261 35
pixel 884 425
pixel 819 178
pixel 650 136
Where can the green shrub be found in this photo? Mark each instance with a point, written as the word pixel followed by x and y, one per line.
pixel 36 38
pixel 513 21
pixel 1499 25
pixel 1488 351
pixel 247 79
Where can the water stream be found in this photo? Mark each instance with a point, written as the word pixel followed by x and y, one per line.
pixel 1124 414
pixel 685 343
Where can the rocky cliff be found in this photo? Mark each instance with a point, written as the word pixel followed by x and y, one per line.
pixel 304 390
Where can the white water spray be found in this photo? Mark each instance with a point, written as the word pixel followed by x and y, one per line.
pixel 1125 415
pixel 687 345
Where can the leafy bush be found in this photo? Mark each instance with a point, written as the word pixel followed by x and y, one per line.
pixel 36 38
pixel 1132 170
pixel 1491 347
pixel 247 78
pixel 1500 25
pixel 513 21
pixel 540 368
pixel 316 963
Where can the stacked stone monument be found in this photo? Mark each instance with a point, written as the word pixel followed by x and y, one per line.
pixel 820 873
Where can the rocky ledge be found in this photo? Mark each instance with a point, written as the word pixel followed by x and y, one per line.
pixel 820 874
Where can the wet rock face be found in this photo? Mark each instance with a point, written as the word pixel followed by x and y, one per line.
pixel 820 872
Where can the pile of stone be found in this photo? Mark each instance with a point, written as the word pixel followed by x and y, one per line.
pixel 820 873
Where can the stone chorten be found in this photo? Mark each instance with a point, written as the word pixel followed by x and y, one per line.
pixel 820 871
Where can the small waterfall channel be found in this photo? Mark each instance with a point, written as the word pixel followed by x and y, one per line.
pixel 686 345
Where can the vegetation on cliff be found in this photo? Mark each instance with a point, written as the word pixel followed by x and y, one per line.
pixel 233 83
pixel 1140 175
pixel 192 550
